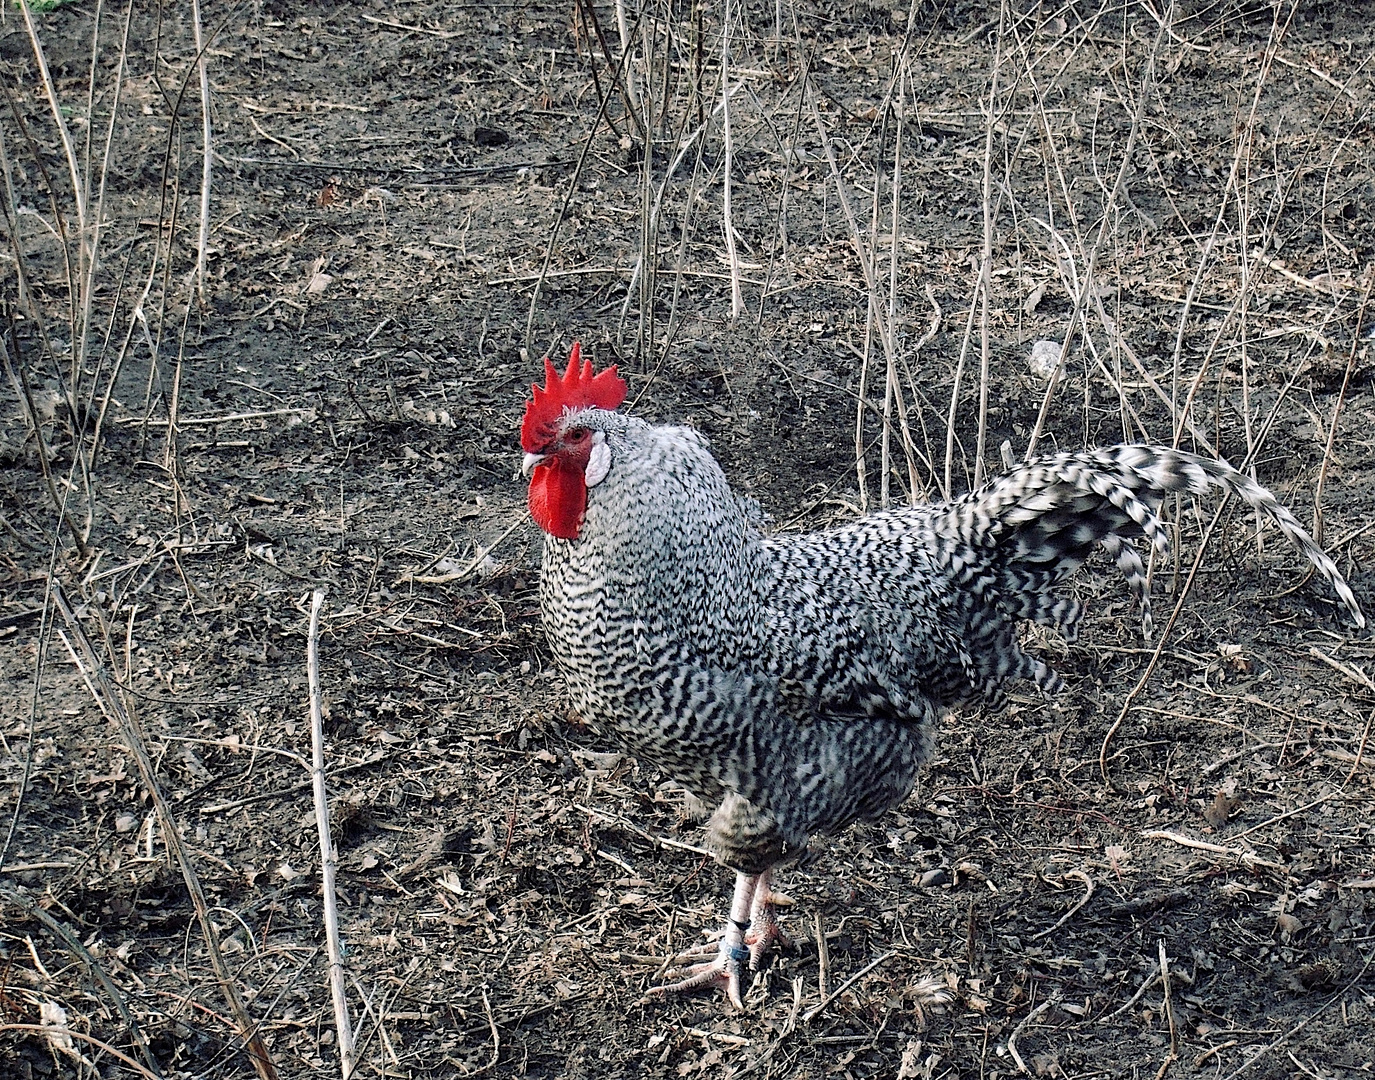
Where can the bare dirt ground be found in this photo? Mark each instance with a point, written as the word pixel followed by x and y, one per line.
pixel 409 204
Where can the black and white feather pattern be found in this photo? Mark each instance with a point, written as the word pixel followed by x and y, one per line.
pixel 794 680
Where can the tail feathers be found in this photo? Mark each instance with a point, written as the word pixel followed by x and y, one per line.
pixel 1259 498
pixel 1045 518
pixel 1129 562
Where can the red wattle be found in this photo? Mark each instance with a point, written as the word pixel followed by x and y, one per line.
pixel 558 497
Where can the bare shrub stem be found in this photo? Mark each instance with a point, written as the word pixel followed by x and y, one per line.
pixel 328 856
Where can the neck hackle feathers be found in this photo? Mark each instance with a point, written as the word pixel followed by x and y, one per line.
pixel 576 388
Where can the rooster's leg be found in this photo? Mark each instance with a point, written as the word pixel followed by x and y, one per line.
pixel 731 954
pixel 764 931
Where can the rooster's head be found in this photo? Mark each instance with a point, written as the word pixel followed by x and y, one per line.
pixel 564 450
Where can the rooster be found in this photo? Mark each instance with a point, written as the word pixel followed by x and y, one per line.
pixel 794 681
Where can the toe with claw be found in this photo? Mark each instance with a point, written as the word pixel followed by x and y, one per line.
pixel 724 971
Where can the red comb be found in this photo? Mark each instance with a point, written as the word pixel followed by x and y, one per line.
pixel 576 388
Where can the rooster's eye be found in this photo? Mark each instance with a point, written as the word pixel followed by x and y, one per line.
pixel 577 435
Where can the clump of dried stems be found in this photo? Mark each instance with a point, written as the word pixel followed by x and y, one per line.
pixel 89 297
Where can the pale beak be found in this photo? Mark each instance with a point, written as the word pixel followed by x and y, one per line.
pixel 531 460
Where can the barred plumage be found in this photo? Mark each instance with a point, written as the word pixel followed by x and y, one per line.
pixel 794 680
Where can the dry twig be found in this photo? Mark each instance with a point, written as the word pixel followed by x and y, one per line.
pixel 1078 875
pixel 816 1010
pixel 328 856
pixel 50 1029
pixel 1030 1018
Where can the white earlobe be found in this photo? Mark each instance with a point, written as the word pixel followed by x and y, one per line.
pixel 599 461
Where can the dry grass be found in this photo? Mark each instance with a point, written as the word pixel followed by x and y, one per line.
pixel 272 301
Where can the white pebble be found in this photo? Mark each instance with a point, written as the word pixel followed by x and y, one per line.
pixel 1045 355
